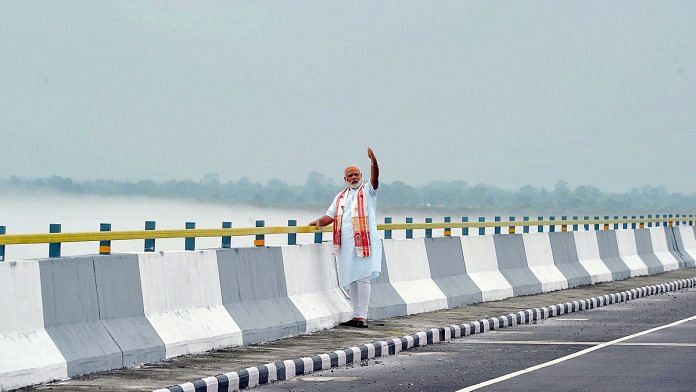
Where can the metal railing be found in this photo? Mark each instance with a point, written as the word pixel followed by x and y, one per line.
pixel 55 237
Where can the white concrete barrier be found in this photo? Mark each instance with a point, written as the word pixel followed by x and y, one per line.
pixel 660 249
pixel 409 274
pixel 540 260
pixel 482 267
pixel 688 239
pixel 69 316
pixel 183 302
pixel 588 255
pixel 312 285
pixel 627 250
pixel 28 355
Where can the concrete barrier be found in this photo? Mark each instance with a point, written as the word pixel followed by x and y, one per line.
pixel 626 243
pixel 565 255
pixel 312 285
pixel 685 239
pixel 482 267
pixel 71 315
pixel 589 257
pixel 183 302
pixel 537 248
pixel 659 237
pixel 121 309
pixel 385 302
pixel 448 271
pixel 512 262
pixel 28 355
pixel 609 253
pixel 409 274
pixel 254 292
pixel 644 249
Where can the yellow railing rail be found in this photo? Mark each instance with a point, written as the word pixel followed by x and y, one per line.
pixel 88 236
pixel 106 236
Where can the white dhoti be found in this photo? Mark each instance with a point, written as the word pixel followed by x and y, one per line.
pixel 352 270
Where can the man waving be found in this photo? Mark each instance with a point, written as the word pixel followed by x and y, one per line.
pixel 355 238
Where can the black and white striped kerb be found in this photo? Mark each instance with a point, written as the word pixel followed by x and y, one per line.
pixel 285 370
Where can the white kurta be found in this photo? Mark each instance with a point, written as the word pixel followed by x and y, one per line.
pixel 350 266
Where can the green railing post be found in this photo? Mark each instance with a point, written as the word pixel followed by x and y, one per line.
pixel 54 247
pixel 575 225
pixel 525 228
pixel 496 230
pixel 318 237
pixel 633 224
pixel 625 224
pixel 586 226
pixel 2 247
pixel 650 224
pixel 105 245
pixel 511 228
pixel 552 225
pixel 409 232
pixel 691 219
pixel 616 224
pixel 657 223
pixel 387 233
pixel 465 230
pixel 260 239
pixel 292 237
pixel 150 242
pixel 226 239
pixel 676 222
pixel 428 232
pixel 482 229
pixel 190 242
pixel 448 230
pixel 596 225
pixel 540 228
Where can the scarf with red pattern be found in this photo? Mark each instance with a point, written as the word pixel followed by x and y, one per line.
pixel 361 232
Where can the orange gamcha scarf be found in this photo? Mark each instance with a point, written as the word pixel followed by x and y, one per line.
pixel 361 232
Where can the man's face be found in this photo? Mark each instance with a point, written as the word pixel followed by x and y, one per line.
pixel 353 177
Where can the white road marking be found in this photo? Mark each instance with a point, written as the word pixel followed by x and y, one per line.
pixel 324 379
pixel 571 356
pixel 569 319
pixel 566 343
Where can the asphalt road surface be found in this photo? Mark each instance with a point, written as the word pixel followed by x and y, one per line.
pixel 646 344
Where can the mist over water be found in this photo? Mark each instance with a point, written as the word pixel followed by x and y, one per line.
pixel 24 213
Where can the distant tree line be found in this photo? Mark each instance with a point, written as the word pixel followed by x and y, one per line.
pixel 318 191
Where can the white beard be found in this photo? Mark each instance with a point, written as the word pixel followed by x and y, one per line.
pixel 355 186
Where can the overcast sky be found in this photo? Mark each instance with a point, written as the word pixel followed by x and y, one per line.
pixel 506 93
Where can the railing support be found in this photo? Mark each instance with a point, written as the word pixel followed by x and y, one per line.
pixel 190 242
pixel 54 247
pixel 260 239
pixel 2 247
pixel 292 237
pixel 105 245
pixel 226 240
pixel 150 242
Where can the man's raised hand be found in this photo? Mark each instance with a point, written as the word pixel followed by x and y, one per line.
pixel 371 155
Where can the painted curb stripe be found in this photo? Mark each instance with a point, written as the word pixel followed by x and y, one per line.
pixel 279 370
